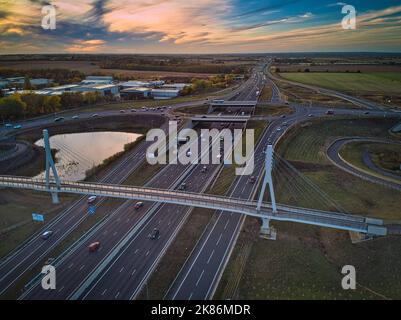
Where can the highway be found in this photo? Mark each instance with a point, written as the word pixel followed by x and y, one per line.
pixel 127 256
pixel 27 256
pixel 142 264
pixel 200 274
pixel 126 210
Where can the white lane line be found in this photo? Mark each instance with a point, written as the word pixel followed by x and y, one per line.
pixel 147 253
pixel 190 296
pixel 136 251
pixel 200 277
pixel 225 227
pixel 133 272
pixel 217 243
pixel 114 233
pixel 210 257
pixel 83 266
pixel 122 269
pixel 70 266
pixel 116 296
pixel 104 292
pixel 61 289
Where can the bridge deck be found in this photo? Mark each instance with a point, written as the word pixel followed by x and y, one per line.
pixel 285 213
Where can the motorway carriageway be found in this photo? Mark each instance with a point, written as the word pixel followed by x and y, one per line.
pixel 124 212
pixel 30 253
pixel 128 285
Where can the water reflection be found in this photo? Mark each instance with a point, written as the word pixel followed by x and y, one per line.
pixel 78 152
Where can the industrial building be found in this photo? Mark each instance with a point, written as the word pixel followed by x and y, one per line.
pixel 135 93
pixel 163 94
pixel 103 89
pixel 97 80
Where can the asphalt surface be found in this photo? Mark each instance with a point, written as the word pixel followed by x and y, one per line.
pixel 124 234
pixel 73 272
pixel 27 256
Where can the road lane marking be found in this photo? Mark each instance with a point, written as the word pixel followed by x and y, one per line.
pixel 217 243
pixel 225 227
pixel 210 257
pixel 200 277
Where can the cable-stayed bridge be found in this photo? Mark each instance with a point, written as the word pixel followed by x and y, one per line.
pixel 259 209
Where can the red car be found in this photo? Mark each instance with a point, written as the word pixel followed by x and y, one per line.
pixel 94 246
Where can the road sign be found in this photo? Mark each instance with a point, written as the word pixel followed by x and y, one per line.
pixel 38 217
pixel 91 210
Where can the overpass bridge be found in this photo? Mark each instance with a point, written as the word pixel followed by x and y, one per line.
pixel 258 209
pixel 221 118
pixel 231 105
pixel 226 204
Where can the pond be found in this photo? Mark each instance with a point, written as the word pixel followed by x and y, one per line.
pixel 79 152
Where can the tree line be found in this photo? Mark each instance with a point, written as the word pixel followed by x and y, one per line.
pixel 20 106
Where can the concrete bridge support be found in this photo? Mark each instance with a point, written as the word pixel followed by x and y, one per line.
pixel 50 166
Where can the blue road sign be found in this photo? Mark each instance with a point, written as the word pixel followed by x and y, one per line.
pixel 91 210
pixel 38 217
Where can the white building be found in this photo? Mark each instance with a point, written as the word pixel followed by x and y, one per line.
pixel 103 89
pixel 97 80
pixel 175 86
pixel 163 94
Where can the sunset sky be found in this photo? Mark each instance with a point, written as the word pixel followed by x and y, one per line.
pixel 198 26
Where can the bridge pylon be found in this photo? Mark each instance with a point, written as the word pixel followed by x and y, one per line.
pixel 50 166
pixel 266 230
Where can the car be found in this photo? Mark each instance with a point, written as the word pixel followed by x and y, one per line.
pixel 310 115
pixel 252 179
pixel 92 199
pixel 18 126
pixel 47 234
pixel 59 119
pixel 75 117
pixel 8 125
pixel 133 110
pixel 278 129
pixel 155 234
pixel 122 111
pixel 94 246
pixel 182 186
pixel 204 169
pixel 329 112
pixel 138 205
pixel 283 116
pixel 95 115
pixel 366 112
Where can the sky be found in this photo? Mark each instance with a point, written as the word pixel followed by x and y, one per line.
pixel 198 26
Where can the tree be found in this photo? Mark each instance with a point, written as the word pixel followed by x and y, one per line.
pixel 27 84
pixel 11 107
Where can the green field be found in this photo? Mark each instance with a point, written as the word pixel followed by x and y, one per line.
pixel 388 83
pixel 385 156
pixel 305 262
